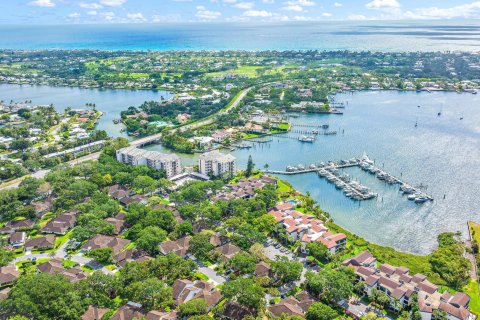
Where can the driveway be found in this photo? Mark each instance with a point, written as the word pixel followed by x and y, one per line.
pixel 213 276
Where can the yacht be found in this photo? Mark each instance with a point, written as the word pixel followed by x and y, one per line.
pixel 421 199
pixel 411 197
pixel 381 176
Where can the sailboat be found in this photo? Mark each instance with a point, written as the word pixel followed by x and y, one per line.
pixel 416 123
pixel 461 118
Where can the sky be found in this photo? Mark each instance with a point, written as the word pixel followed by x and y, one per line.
pixel 179 11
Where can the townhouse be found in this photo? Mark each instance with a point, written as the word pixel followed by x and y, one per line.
pixel 401 287
pixel 306 228
pixel 243 189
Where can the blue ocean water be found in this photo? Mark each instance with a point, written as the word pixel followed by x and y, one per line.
pixel 346 35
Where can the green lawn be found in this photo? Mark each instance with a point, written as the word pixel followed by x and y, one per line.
pixel 474 230
pixel 472 290
pixel 250 71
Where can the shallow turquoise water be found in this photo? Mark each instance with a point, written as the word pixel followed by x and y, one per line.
pixel 328 35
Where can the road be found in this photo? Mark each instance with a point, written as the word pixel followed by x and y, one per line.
pixel 138 142
pixel 61 253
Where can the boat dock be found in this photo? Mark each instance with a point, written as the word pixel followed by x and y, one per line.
pixel 352 189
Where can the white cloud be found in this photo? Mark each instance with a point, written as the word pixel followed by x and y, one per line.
pixel 293 7
pixel 337 4
pixel 204 14
pixel 136 16
pixel 42 3
pixel 74 15
pixel 467 11
pixel 112 3
pixel 257 13
pixel 327 14
pixel 90 5
pixel 108 16
pixel 268 1
pixel 356 17
pixel 303 3
pixel 92 13
pixel 244 5
pixel 167 18
pixel 382 4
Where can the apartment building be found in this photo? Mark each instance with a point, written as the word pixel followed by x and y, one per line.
pixel 216 163
pixel 156 160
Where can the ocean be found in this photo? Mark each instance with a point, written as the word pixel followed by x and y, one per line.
pixel 348 35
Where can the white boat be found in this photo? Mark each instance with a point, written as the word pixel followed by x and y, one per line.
pixel 412 197
pixel 421 199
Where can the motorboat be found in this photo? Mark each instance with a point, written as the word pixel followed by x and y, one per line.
pixel 421 199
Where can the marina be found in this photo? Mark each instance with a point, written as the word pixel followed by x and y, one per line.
pixel 353 189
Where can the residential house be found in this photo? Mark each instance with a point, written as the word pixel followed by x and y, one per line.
pixel 41 243
pixel 8 274
pixel 221 135
pixel 178 247
pixel 235 311
pixel 263 269
pixel 17 225
pixel 226 252
pixel 124 257
pixel 129 311
pixel 137 198
pixel 42 206
pixel 292 306
pixel 94 313
pixel 119 192
pixel 17 239
pixel 118 224
pixel 61 223
pixel 55 266
pixel 103 241
pixel 185 290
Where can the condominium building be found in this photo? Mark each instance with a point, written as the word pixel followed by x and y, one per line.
pixel 156 160
pixel 216 163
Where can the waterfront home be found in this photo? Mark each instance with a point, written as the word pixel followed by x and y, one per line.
pixel 178 247
pixel 306 228
pixel 156 160
pixel 221 135
pixel 103 241
pixel 41 243
pixel 401 287
pixel 216 163
pixel 185 290
pixel 8 274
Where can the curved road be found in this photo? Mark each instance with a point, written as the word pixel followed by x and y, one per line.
pixel 94 156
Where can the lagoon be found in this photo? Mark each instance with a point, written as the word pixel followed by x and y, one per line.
pixel 110 102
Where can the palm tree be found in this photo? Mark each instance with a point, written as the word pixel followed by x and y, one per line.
pixel 266 166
